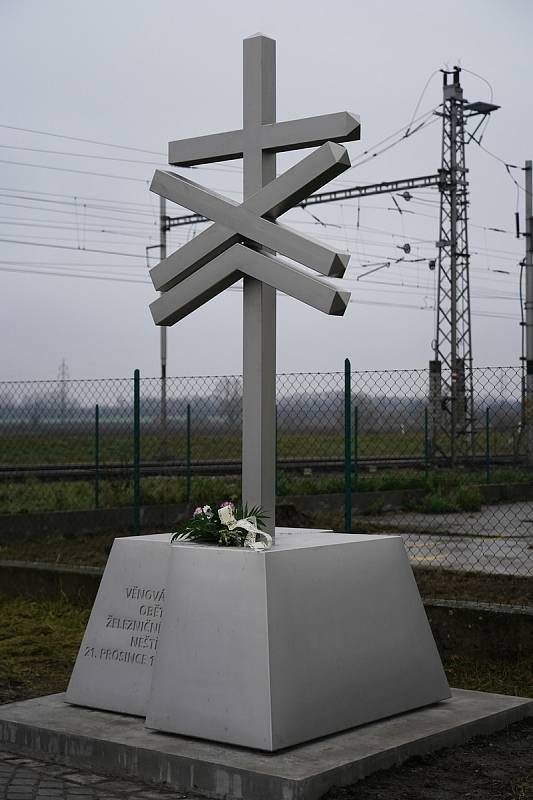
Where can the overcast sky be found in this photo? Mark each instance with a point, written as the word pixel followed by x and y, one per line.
pixel 138 74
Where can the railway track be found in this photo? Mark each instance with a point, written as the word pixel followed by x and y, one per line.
pixel 214 467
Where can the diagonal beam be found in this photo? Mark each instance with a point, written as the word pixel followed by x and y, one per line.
pixel 238 219
pixel 274 199
pixel 232 265
pixel 292 187
pixel 276 137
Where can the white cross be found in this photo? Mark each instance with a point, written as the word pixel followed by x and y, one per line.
pixel 241 242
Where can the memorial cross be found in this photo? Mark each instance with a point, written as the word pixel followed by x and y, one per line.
pixel 243 239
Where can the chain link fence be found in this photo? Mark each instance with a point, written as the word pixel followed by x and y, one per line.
pixel 368 450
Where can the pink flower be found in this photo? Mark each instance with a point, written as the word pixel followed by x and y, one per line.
pixel 197 512
pixel 228 504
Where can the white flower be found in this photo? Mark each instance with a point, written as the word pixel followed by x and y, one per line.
pixel 208 512
pixel 226 515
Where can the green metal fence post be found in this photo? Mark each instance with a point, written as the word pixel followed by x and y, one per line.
pixel 276 454
pixel 188 455
pixel 97 456
pixel 347 446
pixel 487 444
pixel 136 452
pixel 426 444
pixel 355 446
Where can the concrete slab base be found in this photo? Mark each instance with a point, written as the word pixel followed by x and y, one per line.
pixel 121 746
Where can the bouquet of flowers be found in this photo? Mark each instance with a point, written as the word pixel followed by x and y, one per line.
pixel 230 526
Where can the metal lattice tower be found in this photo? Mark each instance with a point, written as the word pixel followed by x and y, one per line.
pixel 451 371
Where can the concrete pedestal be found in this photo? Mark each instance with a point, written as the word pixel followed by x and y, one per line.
pixel 259 649
pixel 113 669
pixel 267 650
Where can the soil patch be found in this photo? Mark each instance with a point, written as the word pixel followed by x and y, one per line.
pixel 498 767
pixel 90 550
pixel 447 584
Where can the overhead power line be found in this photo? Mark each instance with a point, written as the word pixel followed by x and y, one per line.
pixel 125 279
pixel 81 212
pixel 82 155
pixel 228 168
pixel 508 166
pixel 77 171
pixel 72 247
pixel 76 228
pixel 79 139
pixel 386 144
pixel 72 196
pixel 72 275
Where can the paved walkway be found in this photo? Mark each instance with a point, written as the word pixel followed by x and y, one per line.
pixel 28 779
pixel 497 540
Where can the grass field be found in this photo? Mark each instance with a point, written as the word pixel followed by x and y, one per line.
pixel 444 491
pixel 61 446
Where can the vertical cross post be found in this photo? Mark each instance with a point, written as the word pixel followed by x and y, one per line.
pixel 528 309
pixel 163 332
pixel 259 304
pixel 243 240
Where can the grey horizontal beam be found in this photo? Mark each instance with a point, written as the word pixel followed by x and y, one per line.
pixel 205 149
pixel 280 137
pixel 276 137
pixel 385 187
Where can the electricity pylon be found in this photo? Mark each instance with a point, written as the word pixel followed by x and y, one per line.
pixel 451 378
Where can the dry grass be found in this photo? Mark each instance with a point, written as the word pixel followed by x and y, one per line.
pixel 38 645
pixel 489 674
